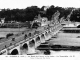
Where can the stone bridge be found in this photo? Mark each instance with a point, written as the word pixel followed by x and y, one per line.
pixel 28 40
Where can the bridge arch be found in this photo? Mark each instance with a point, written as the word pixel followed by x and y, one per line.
pixel 24 46
pixel 46 33
pixel 14 52
pixel 38 39
pixel 42 36
pixel 32 43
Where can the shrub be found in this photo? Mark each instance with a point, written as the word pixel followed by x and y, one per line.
pixel 8 35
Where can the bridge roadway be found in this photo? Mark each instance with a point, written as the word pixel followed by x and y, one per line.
pixel 28 40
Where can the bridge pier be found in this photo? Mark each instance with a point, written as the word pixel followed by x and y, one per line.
pixel 37 41
pixel 31 50
pixel 47 35
pixel 31 47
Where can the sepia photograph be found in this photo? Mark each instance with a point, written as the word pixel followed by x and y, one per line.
pixel 40 28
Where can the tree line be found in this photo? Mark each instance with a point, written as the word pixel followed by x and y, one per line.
pixel 75 17
pixel 29 13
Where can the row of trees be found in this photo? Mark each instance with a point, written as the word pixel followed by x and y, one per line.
pixel 20 14
pixel 75 15
pixel 29 13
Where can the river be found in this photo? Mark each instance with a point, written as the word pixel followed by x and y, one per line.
pixel 62 43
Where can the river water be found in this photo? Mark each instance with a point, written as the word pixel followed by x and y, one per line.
pixel 67 40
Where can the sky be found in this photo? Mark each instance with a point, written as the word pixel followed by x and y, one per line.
pixel 21 4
